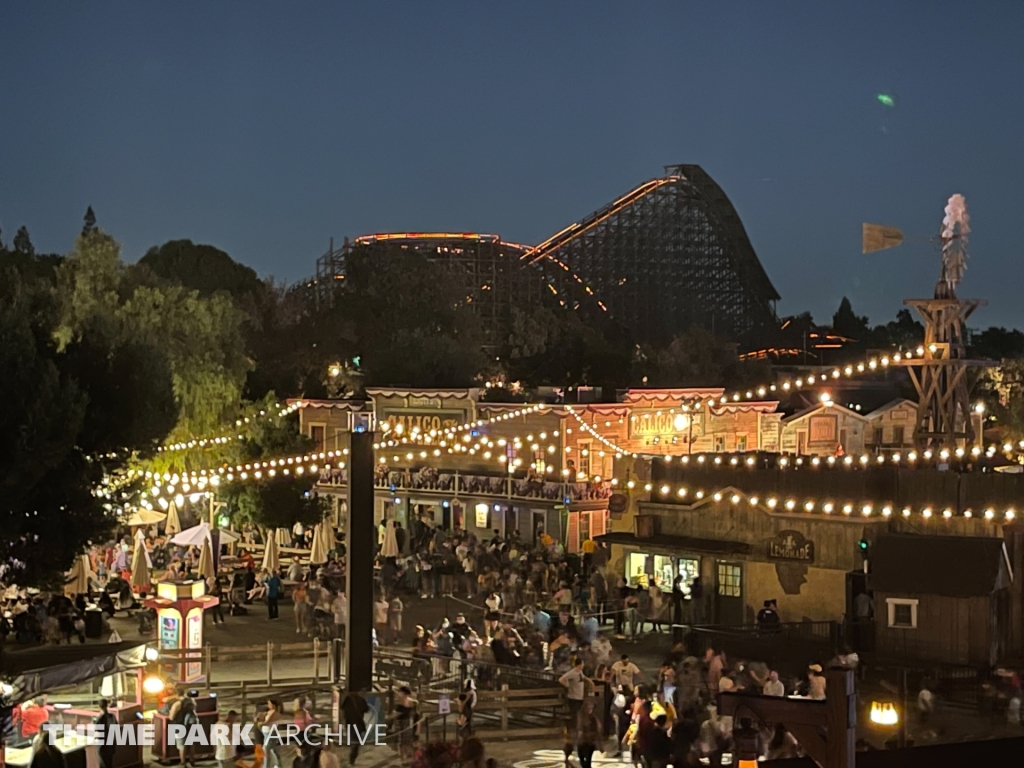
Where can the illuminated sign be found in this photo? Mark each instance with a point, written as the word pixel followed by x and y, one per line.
pixel 406 420
pixel 651 423
pixel 170 628
pixel 194 624
pixel 481 515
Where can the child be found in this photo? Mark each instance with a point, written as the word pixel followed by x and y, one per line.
pixel 395 617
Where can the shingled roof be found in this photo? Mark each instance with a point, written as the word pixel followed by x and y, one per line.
pixel 952 566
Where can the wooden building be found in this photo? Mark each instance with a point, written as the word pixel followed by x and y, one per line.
pixel 941 598
pixel 891 427
pixel 822 430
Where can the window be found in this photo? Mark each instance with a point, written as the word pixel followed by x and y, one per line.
pixel 584 467
pixel 318 433
pixel 902 612
pixel 879 436
pixel 741 443
pixel 897 435
pixel 719 443
pixel 728 580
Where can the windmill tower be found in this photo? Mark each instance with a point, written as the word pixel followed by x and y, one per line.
pixel 941 373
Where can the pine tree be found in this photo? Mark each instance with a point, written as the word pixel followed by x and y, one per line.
pixel 90 221
pixel 23 243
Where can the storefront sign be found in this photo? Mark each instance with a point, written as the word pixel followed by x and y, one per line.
pixel 823 429
pixel 481 515
pixel 644 423
pixel 424 420
pixel 791 545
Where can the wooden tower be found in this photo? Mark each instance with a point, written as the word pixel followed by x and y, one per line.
pixel 941 371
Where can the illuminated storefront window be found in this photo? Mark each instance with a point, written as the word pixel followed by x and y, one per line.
pixel 641 568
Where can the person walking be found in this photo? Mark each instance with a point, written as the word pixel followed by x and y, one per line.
pixel 273 585
pixel 109 746
pixel 395 618
pixel 217 590
pixel 301 603
pixel 589 734
pixel 339 607
pixel 354 710
pixel 380 618
pixel 226 752
pixel 575 683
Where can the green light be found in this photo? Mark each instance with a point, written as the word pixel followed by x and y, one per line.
pixel 863 544
pixel 222 521
pixel 886 100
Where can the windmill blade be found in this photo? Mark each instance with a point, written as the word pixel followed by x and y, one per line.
pixel 876 237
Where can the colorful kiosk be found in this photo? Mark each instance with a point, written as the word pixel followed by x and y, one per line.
pixel 179 623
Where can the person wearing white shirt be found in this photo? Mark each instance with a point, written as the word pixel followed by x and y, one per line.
pixel 774 686
pixel 624 672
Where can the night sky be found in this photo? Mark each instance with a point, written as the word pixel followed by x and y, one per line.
pixel 266 128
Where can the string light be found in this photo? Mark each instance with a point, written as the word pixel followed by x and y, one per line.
pixel 278 411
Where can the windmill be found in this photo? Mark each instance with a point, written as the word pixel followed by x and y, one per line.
pixel 941 372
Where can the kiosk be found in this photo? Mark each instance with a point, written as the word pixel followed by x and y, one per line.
pixel 179 623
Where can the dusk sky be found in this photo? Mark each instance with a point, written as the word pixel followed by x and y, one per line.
pixel 266 128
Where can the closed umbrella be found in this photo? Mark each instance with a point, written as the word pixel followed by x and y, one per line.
pixel 318 553
pixel 140 578
pixel 79 577
pixel 283 537
pixel 173 523
pixel 270 555
pixel 140 543
pixel 327 531
pixel 206 560
pixel 390 546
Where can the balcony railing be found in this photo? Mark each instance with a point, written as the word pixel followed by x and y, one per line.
pixel 453 483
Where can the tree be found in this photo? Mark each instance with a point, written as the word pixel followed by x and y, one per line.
pixel 205 268
pixel 23 243
pixel 70 419
pixel 846 323
pixel 902 333
pixel 998 343
pixel 201 337
pixel 282 501
pixel 89 221
pixel 413 328
pixel 698 358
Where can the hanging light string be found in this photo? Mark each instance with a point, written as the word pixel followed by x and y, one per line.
pixel 396 433
pixel 277 411
pixel 777 503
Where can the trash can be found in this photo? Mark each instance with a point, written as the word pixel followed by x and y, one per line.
pixel 93 622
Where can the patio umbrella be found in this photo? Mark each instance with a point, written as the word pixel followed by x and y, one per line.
pixel 173 523
pixel 140 578
pixel 270 556
pixel 197 534
pixel 78 578
pixel 283 537
pixel 140 543
pixel 318 553
pixel 390 546
pixel 206 561
pixel 327 531
pixel 146 517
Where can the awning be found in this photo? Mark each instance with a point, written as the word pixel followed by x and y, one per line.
pixel 677 544
pixel 35 671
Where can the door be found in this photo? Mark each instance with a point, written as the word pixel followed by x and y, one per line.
pixel 801 442
pixel 538 526
pixel 728 593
